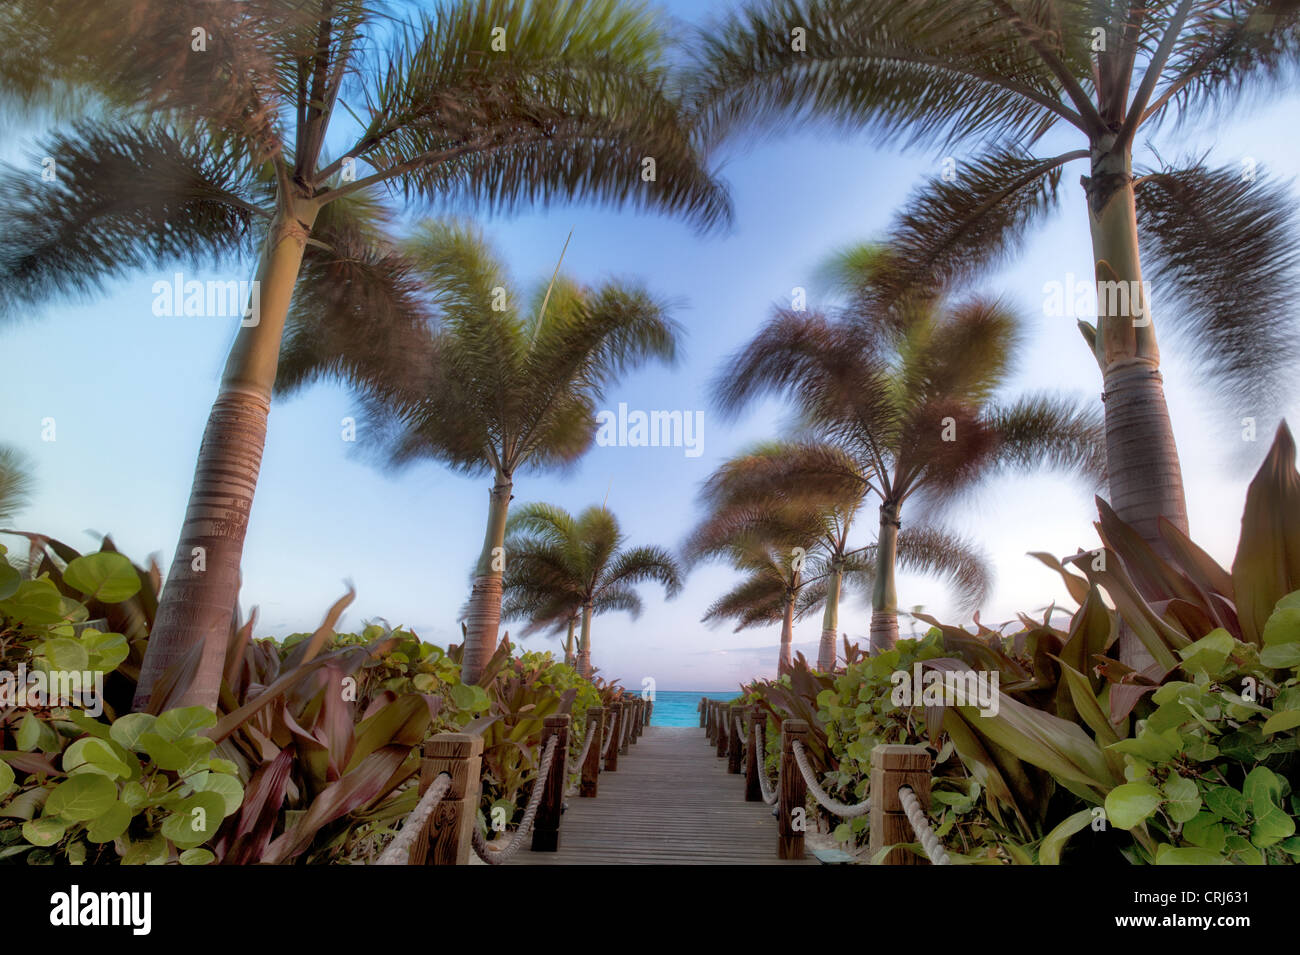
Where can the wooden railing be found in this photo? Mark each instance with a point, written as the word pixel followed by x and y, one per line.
pixel 899 784
pixel 440 831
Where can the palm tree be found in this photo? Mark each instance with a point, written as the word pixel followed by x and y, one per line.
pixel 899 403
pixel 821 487
pixel 782 514
pixel 15 483
pixel 215 145
pixel 1001 76
pixel 558 561
pixel 770 592
pixel 488 383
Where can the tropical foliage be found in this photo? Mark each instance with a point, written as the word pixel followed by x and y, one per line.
pixel 216 147
pixel 311 756
pixel 895 404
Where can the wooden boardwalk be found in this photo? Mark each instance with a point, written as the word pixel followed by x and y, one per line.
pixel 671 802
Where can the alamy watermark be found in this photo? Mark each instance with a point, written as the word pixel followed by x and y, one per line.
pixel 653 429
pixel 1080 299
pixel 919 687
pixel 39 689
pixel 210 299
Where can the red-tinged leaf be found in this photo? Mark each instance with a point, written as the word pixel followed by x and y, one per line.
pixel 1200 567
pixel 233 721
pixel 235 653
pixel 404 723
pixel 263 799
pixel 1153 576
pixel 39 763
pixel 307 650
pixel 1267 565
pixel 1076 585
pixel 373 778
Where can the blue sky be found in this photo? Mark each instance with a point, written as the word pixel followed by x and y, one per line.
pixel 130 391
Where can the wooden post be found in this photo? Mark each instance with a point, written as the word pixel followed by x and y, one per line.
pixel 626 739
pixel 794 793
pixel 649 711
pixel 546 826
pixel 753 790
pixel 613 729
pixel 733 741
pixel 636 721
pixel 720 731
pixel 704 712
pixel 446 837
pixel 708 721
pixel 591 765
pixel 893 766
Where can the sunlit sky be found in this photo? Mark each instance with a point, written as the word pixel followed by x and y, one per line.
pixel 130 392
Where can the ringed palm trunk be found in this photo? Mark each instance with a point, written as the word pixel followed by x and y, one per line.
pixel 1145 477
pixel 569 658
pixel 830 623
pixel 194 613
pixel 1143 470
pixel 584 645
pixel 884 598
pixel 484 616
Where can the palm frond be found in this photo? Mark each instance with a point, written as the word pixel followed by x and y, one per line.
pixel 1050 431
pixel 927 70
pixel 569 109
pixel 1227 52
pixel 16 482
pixel 949 230
pixel 122 198
pixel 930 550
pixel 1225 251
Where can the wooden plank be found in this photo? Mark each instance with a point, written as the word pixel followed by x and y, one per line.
pixel 671 803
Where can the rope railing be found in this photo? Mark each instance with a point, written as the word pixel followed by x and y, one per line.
pixel 900 785
pixel 833 806
pixel 399 850
pixel 494 853
pixel 443 828
pixel 582 759
pixel 764 785
pixel 934 850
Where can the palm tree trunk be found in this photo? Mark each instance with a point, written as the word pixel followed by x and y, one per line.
pixel 568 644
pixel 884 598
pixel 785 660
pixel 584 645
pixel 1143 470
pixel 1146 481
pixel 484 616
pixel 830 623
pixel 195 610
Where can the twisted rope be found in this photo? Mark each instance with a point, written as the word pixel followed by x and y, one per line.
pixel 765 787
pixel 934 851
pixel 586 745
pixel 843 810
pixel 399 850
pixel 492 852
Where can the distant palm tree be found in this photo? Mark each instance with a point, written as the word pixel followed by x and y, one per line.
pixel 824 483
pixel 210 141
pixel 1003 75
pixel 491 382
pixel 558 561
pixel 900 403
pixel 15 483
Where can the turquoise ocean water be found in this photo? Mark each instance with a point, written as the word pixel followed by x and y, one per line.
pixel 680 707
